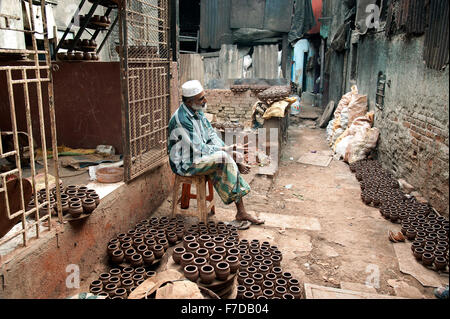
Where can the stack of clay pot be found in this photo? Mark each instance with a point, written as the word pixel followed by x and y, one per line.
pixel 420 224
pixel 119 283
pixel 274 94
pixel 75 200
pixel 209 252
pixel 146 242
pixel 260 275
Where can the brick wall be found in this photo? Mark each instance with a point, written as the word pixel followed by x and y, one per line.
pixel 229 106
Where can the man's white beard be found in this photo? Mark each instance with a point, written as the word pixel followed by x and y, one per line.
pixel 200 107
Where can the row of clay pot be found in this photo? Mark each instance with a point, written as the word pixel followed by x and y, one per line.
pixel 428 231
pixel 74 200
pixel 79 56
pixel 118 284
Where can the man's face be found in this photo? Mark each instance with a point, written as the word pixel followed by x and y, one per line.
pixel 199 102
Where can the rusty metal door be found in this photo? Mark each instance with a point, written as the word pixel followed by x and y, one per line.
pixel 145 61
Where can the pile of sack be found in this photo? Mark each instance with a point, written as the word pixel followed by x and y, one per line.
pixel 351 134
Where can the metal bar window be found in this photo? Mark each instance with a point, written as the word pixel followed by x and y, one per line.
pixel 22 205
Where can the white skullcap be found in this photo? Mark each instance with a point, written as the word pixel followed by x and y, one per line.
pixel 192 88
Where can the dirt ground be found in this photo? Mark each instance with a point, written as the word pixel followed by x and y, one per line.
pixel 327 235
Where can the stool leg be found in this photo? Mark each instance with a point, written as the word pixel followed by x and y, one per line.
pixel 210 190
pixel 201 199
pixel 175 198
pixel 185 196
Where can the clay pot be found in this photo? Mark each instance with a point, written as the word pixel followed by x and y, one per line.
pixel 138 279
pixel 89 205
pixel 115 280
pixel 222 270
pixel 277 271
pixel 276 260
pixel 418 252
pixel 248 295
pixel 258 278
pixel 218 240
pixel 128 284
pixel 172 238
pixel 280 291
pixel 257 291
pixel 85 42
pixel 240 291
pixel 125 276
pixel 295 291
pixel 115 272
pixel 126 246
pixel 177 253
pixel 192 247
pixel 269 293
pixel 80 195
pixel 427 259
pixel 243 265
pixel 180 233
pixel 187 259
pixel 110 289
pixel 149 257
pixel 187 240
pixel 164 243
pixel 191 272
pixel 200 262
pixel 96 283
pixel 129 254
pixel 215 259
pixel 136 260
pixel 256 264
pixel 204 239
pixel 104 278
pixel 141 249
pixel 233 261
pixel 151 243
pixel 242 275
pixel 95 290
pixel 440 263
pixel 207 274
pixel 268 263
pixel 263 269
pixel 219 250
pixel 288 296
pixel 120 292
pixel 202 252
pixel 158 251
pixel 70 56
pixel 411 233
pixel 75 210
pixel 95 197
pixel 111 248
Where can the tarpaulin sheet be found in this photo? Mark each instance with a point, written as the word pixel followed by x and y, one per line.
pixel 303 20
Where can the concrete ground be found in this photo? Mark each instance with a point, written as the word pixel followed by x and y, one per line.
pixel 327 235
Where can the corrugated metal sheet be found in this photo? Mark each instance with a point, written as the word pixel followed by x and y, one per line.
pixel 278 15
pixel 247 14
pixel 436 37
pixel 265 61
pixel 215 23
pixel 409 16
pixel 192 68
pixel 230 62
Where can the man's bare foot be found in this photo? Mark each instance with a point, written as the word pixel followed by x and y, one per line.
pixel 242 216
pixel 244 168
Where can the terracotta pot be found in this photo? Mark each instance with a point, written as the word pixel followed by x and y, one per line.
pixel 89 205
pixel 115 272
pixel 200 262
pixel 202 252
pixel 164 243
pixel 115 280
pixel 172 238
pixel 207 274
pixel 110 289
pixel 192 247
pixel 263 269
pixel 233 261
pixel 276 260
pixel 243 265
pixel 95 290
pixel 248 295
pixel 137 260
pixel 295 291
pixel 440 263
pixel 215 259
pixel 149 257
pixel 248 282
pixel 129 254
pixel 111 248
pixel 269 293
pixel 188 239
pixel 104 278
pixel 427 259
pixel 220 250
pixel 277 271
pixel 256 264
pixel 218 241
pixel 151 274
pixel 95 197
pixel 280 291
pixel 191 272
pixel 96 283
pixel 177 253
pixel 222 270
pixel 293 282
pixel 126 246
pixel 70 56
pixel 138 279
pixel 204 239
pixel 240 291
pixel 121 292
pixel 117 256
pixel 128 284
pixel 158 250
pixel 151 243
pixel 75 210
pixel 258 278
pixel 128 270
pixel 418 252
pixel 187 259
pixel 180 233
pixel 257 291
pixel 242 275
pixel 125 276
pixel 268 263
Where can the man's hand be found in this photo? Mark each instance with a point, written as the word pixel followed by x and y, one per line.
pixel 237 148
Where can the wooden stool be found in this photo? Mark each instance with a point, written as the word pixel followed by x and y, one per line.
pixel 202 206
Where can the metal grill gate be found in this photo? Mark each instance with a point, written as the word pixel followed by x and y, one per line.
pixel 145 62
pixel 26 82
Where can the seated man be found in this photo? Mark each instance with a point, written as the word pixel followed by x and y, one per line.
pixel 195 149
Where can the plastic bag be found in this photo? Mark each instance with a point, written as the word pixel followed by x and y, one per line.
pixel 295 106
pixel 342 145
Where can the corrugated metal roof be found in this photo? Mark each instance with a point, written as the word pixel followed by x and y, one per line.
pixel 437 34
pixel 278 15
pixel 214 23
pixel 265 61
